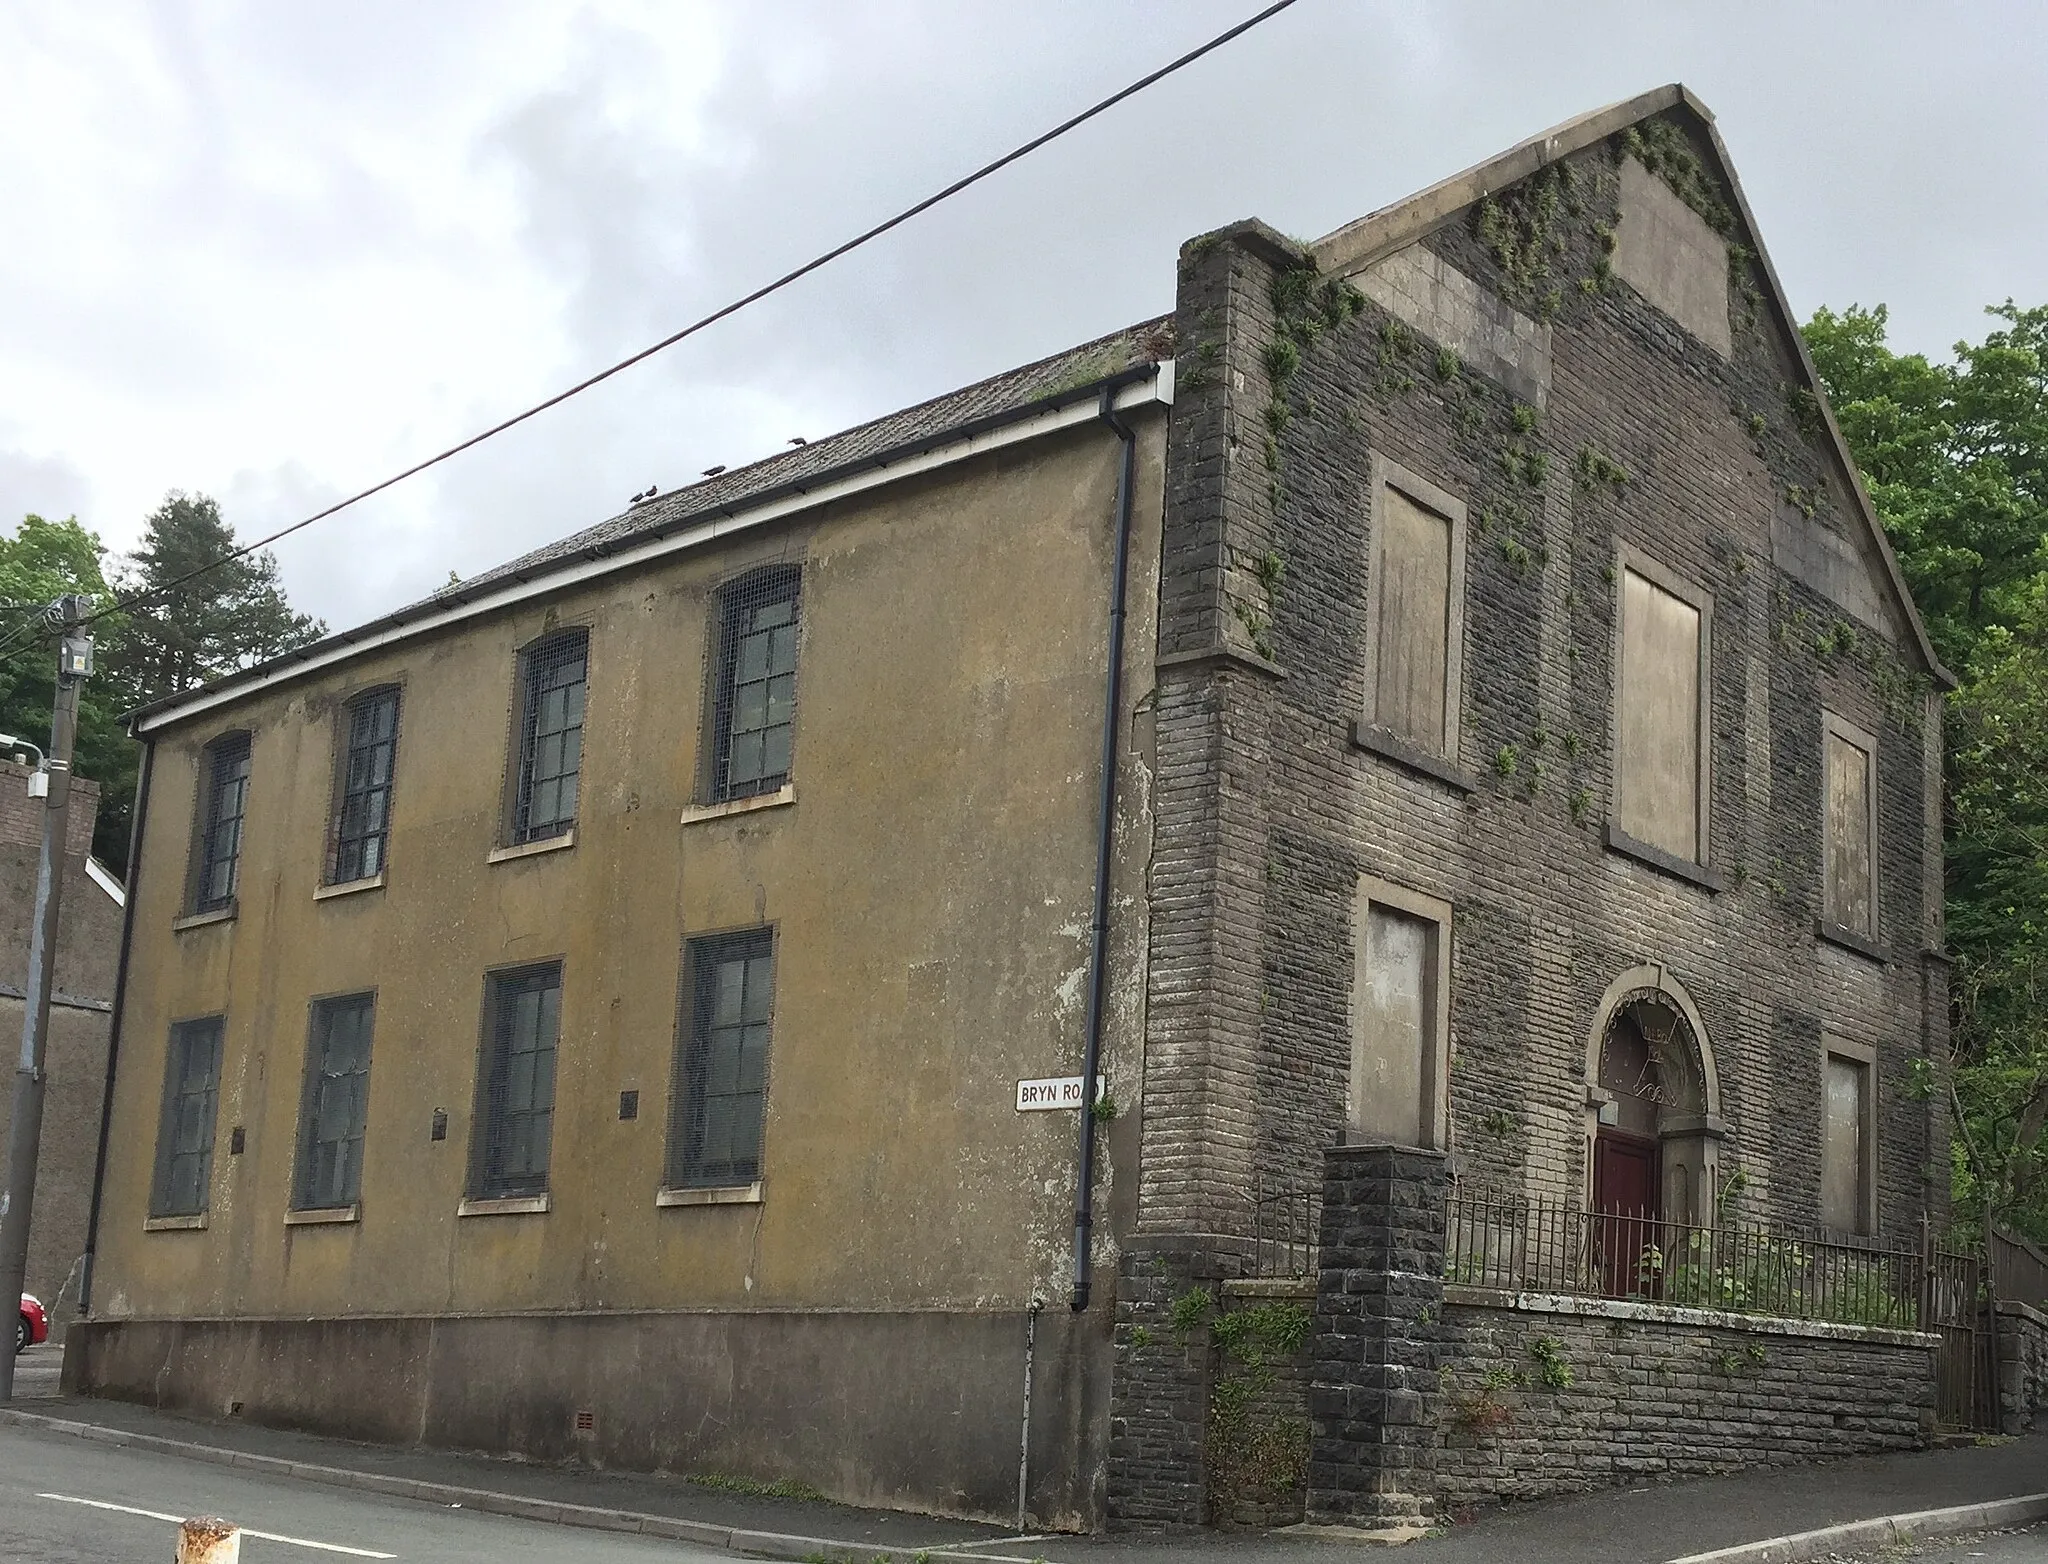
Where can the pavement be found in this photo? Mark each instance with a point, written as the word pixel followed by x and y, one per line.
pixel 66 1502
pixel 2025 1545
pixel 1643 1525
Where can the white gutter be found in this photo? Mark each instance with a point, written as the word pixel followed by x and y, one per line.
pixel 1154 390
pixel 105 881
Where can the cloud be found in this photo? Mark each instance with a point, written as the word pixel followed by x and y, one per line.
pixel 273 253
pixel 47 486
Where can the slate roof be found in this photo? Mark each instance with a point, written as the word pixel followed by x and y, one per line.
pixel 1144 343
pixel 933 421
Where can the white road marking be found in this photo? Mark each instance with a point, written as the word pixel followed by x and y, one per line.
pixel 267 1536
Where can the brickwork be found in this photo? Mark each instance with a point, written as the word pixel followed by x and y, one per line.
pixel 1706 459
pixel 1545 914
pixel 1547 1403
pixel 21 817
pixel 1374 1401
pixel 1156 1424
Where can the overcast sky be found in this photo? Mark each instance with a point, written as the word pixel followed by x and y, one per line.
pixel 272 251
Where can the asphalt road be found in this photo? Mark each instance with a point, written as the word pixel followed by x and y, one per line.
pixel 66 1501
pixel 2028 1546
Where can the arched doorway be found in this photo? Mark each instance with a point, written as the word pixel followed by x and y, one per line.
pixel 1654 1128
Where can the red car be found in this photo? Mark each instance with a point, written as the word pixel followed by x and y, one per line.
pixel 34 1326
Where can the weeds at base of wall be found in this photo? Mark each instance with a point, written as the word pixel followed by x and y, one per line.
pixel 753 1488
pixel 1257 1457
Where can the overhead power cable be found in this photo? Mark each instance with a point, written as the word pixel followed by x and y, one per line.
pixel 714 317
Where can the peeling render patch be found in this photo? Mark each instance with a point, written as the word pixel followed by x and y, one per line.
pixel 1426 292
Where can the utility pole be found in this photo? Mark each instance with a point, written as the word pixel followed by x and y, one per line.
pixel 52 782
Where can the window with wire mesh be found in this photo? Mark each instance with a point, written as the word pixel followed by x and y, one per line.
pixel 222 807
pixel 755 707
pixel 362 821
pixel 334 1107
pixel 553 675
pixel 516 1082
pixel 721 1087
pixel 184 1137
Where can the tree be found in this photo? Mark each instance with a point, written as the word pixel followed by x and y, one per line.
pixel 40 563
pixel 229 618
pixel 1956 456
pixel 179 637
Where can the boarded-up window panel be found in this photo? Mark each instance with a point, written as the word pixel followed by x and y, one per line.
pixel 1849 899
pixel 1659 764
pixel 1396 1028
pixel 1415 614
pixel 1844 1166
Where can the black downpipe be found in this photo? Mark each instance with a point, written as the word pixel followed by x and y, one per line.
pixel 99 1167
pixel 1105 830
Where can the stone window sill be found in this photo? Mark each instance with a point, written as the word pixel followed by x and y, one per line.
pixel 1850 939
pixel 1619 841
pixel 547 844
pixel 323 1216
pixel 174 1224
pixel 508 1205
pixel 350 887
pixel 786 794
pixel 731 1195
pixel 1410 757
pixel 200 920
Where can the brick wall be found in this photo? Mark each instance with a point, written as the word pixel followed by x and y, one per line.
pixel 1269 809
pixel 1545 1403
pixel 21 817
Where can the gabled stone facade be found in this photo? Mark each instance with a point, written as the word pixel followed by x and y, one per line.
pixel 1578 358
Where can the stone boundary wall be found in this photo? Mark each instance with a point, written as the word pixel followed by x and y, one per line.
pixel 2023 1365
pixel 1549 1395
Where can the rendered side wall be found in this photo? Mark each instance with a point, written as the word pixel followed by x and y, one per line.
pixel 918 1410
pixel 930 886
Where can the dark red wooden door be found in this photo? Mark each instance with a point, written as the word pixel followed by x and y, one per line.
pixel 1625 1214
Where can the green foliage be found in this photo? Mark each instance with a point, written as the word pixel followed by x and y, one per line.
pixel 1447 365
pixel 1595 469
pixel 1271 569
pixel 1523 418
pixel 1520 229
pixel 43 561
pixel 1254 1453
pixel 1507 760
pixel 1499 1122
pixel 1955 456
pixel 753 1488
pixel 1553 1367
pixel 1663 148
pixel 1189 1313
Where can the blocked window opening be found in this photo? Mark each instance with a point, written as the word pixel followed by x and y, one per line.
pixel 554 675
pixel 754 712
pixel 1848 1143
pixel 1849 891
pixel 1399 1034
pixel 224 805
pixel 516 1083
pixel 184 1143
pixel 334 1107
pixel 1661 750
pixel 1414 612
pixel 721 1090
pixel 363 818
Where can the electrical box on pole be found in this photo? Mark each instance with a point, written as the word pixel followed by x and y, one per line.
pixel 51 782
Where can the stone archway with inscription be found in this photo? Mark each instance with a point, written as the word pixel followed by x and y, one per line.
pixel 1653 1102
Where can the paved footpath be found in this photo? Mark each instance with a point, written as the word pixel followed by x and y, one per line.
pixel 1613 1526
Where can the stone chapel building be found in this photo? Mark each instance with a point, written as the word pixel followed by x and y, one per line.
pixel 637 1005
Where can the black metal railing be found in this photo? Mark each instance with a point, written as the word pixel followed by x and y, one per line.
pixel 1535 1245
pixel 1284 1223
pixel 2019 1271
